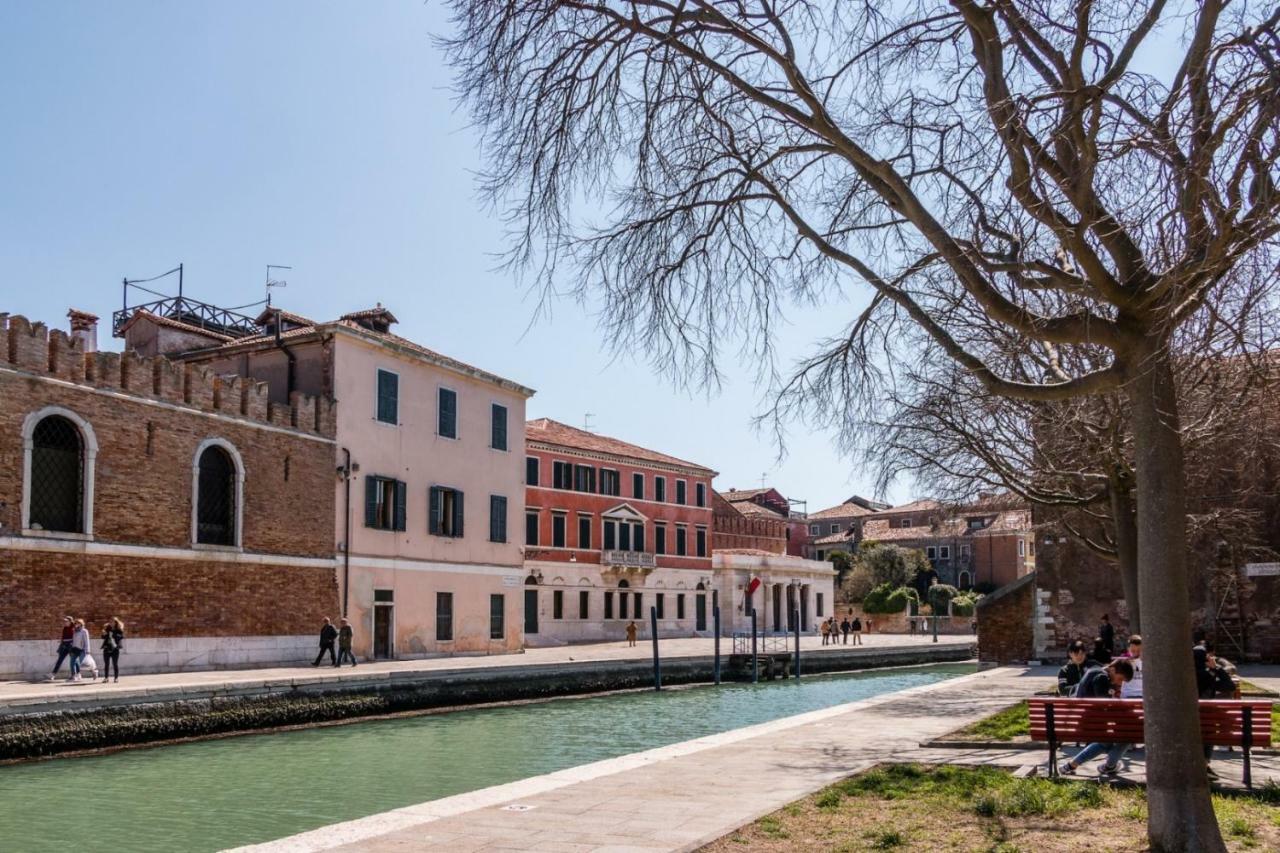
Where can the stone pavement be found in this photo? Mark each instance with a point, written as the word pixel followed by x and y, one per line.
pixel 20 696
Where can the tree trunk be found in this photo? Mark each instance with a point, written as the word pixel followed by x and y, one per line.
pixel 1126 523
pixel 1181 818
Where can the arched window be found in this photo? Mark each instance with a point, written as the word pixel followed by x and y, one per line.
pixel 57 487
pixel 218 479
pixel 964 580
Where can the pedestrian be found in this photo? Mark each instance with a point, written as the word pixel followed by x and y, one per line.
pixel 1071 672
pixel 845 627
pixel 344 642
pixel 79 648
pixel 1132 689
pixel 1107 633
pixel 631 633
pixel 1101 655
pixel 1101 682
pixel 328 634
pixel 826 631
pixel 64 645
pixel 911 625
pixel 112 643
pixel 857 631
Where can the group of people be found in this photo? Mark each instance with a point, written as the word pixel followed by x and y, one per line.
pixel 1102 674
pixel 342 636
pixel 74 645
pixel 838 634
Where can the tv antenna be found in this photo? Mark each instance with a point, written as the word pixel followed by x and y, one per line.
pixel 275 282
pixel 586 421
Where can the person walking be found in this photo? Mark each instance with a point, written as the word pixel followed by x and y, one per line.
pixel 79 648
pixel 826 631
pixel 845 627
pixel 328 634
pixel 857 631
pixel 64 645
pixel 112 643
pixel 344 643
pixel 1107 633
pixel 631 633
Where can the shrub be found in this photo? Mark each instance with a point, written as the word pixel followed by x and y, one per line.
pixel 857 584
pixel 886 599
pixel 940 596
pixel 887 565
pixel 965 603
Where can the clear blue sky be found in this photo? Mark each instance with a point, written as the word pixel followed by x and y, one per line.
pixel 232 135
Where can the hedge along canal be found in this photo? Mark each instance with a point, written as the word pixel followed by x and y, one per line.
pixel 213 794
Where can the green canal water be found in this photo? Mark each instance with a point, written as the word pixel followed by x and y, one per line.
pixel 222 793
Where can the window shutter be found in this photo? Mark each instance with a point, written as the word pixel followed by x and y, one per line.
pixel 499 427
pixel 433 511
pixel 448 413
pixel 639 537
pixel 401 496
pixel 457 513
pixel 370 501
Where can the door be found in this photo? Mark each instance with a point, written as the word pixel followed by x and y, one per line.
pixel 700 612
pixel 383 631
pixel 530 611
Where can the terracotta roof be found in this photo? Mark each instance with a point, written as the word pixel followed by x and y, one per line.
pixel 268 314
pixel 754 509
pixel 955 527
pixel 379 311
pixel 834 538
pixel 914 506
pixel 844 510
pixel 754 552
pixel 736 495
pixel 553 432
pixel 175 324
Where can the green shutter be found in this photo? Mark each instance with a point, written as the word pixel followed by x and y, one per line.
pixel 433 511
pixel 370 501
pixel 448 413
pixel 457 513
pixel 499 437
pixel 401 497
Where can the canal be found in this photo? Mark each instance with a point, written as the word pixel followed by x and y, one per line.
pixel 210 795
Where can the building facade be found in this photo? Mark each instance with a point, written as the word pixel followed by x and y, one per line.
pixel 835 528
pixel 610 530
pixel 189 505
pixel 769 503
pixel 430 485
pixel 733 529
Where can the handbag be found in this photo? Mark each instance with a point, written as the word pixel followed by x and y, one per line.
pixel 87 662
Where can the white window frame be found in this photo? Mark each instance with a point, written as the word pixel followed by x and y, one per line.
pixel 90 458
pixel 815 529
pixel 238 539
pixel 835 528
pixel 377 419
pixel 1022 547
pixel 706 541
pixel 537 459
pixel 905 522
pixel 944 552
pixel 930 552
pixel 964 549
pixel 600 482
pixel 644 486
pixel 700 488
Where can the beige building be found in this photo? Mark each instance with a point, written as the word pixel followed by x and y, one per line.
pixel 429 470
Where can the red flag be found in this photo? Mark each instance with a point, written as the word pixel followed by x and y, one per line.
pixel 753 586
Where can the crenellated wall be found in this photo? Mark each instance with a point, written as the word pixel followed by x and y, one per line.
pixel 34 348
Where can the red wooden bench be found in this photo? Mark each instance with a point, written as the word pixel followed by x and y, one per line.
pixel 1245 723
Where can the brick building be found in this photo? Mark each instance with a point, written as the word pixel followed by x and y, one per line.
pixel 733 529
pixel 178 500
pixel 835 528
pixel 430 455
pixel 769 503
pixel 611 529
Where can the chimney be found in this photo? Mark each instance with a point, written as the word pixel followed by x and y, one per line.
pixel 84 328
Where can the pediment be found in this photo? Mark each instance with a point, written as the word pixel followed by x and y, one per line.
pixel 624 512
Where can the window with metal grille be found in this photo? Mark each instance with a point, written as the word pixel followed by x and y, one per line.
pixel 57 476
pixel 444 616
pixel 216 498
pixel 497 620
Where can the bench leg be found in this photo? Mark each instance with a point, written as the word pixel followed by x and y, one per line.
pixel 1053 759
pixel 1246 742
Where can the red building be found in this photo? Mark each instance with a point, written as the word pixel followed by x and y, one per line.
pixel 612 529
pixel 770 504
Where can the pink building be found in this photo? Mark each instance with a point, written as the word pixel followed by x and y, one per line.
pixel 429 470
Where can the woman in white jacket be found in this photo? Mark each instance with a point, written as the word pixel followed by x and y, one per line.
pixel 79 648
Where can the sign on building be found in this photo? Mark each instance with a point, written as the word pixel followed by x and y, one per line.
pixel 1261 570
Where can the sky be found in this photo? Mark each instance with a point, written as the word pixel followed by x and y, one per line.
pixel 324 136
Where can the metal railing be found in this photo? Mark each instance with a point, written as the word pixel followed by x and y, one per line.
pixel 192 312
pixel 766 643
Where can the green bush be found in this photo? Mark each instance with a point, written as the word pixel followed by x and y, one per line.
pixel 965 603
pixel 940 596
pixel 886 599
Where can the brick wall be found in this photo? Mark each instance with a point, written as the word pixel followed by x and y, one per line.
pixel 149 416
pixel 1005 632
pixel 159 597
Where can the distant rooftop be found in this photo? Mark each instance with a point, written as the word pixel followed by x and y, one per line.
pixel 550 431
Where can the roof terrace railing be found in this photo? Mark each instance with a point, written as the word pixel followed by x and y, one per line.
pixel 192 312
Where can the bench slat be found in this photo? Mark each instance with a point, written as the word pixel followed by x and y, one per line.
pixel 1121 720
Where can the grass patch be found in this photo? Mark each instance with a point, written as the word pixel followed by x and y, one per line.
pixel 908 807
pixel 1009 724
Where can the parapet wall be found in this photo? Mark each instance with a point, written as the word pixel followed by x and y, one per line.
pixel 33 348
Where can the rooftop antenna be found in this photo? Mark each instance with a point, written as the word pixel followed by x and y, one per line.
pixel 764 478
pixel 275 282
pixel 586 421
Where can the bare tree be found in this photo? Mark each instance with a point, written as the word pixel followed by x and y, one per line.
pixel 981 164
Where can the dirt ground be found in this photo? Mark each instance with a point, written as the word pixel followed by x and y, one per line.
pixel 913 808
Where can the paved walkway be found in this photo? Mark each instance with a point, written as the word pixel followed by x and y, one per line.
pixel 683 796
pixel 23 695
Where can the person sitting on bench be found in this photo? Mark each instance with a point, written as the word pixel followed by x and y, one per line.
pixel 1101 682
pixel 1072 671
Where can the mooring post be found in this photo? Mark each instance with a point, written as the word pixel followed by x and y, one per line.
pixel 715 624
pixel 755 659
pixel 935 627
pixel 795 619
pixel 657 664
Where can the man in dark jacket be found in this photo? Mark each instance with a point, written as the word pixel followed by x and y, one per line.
pixel 1101 682
pixel 1107 633
pixel 327 635
pixel 1073 670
